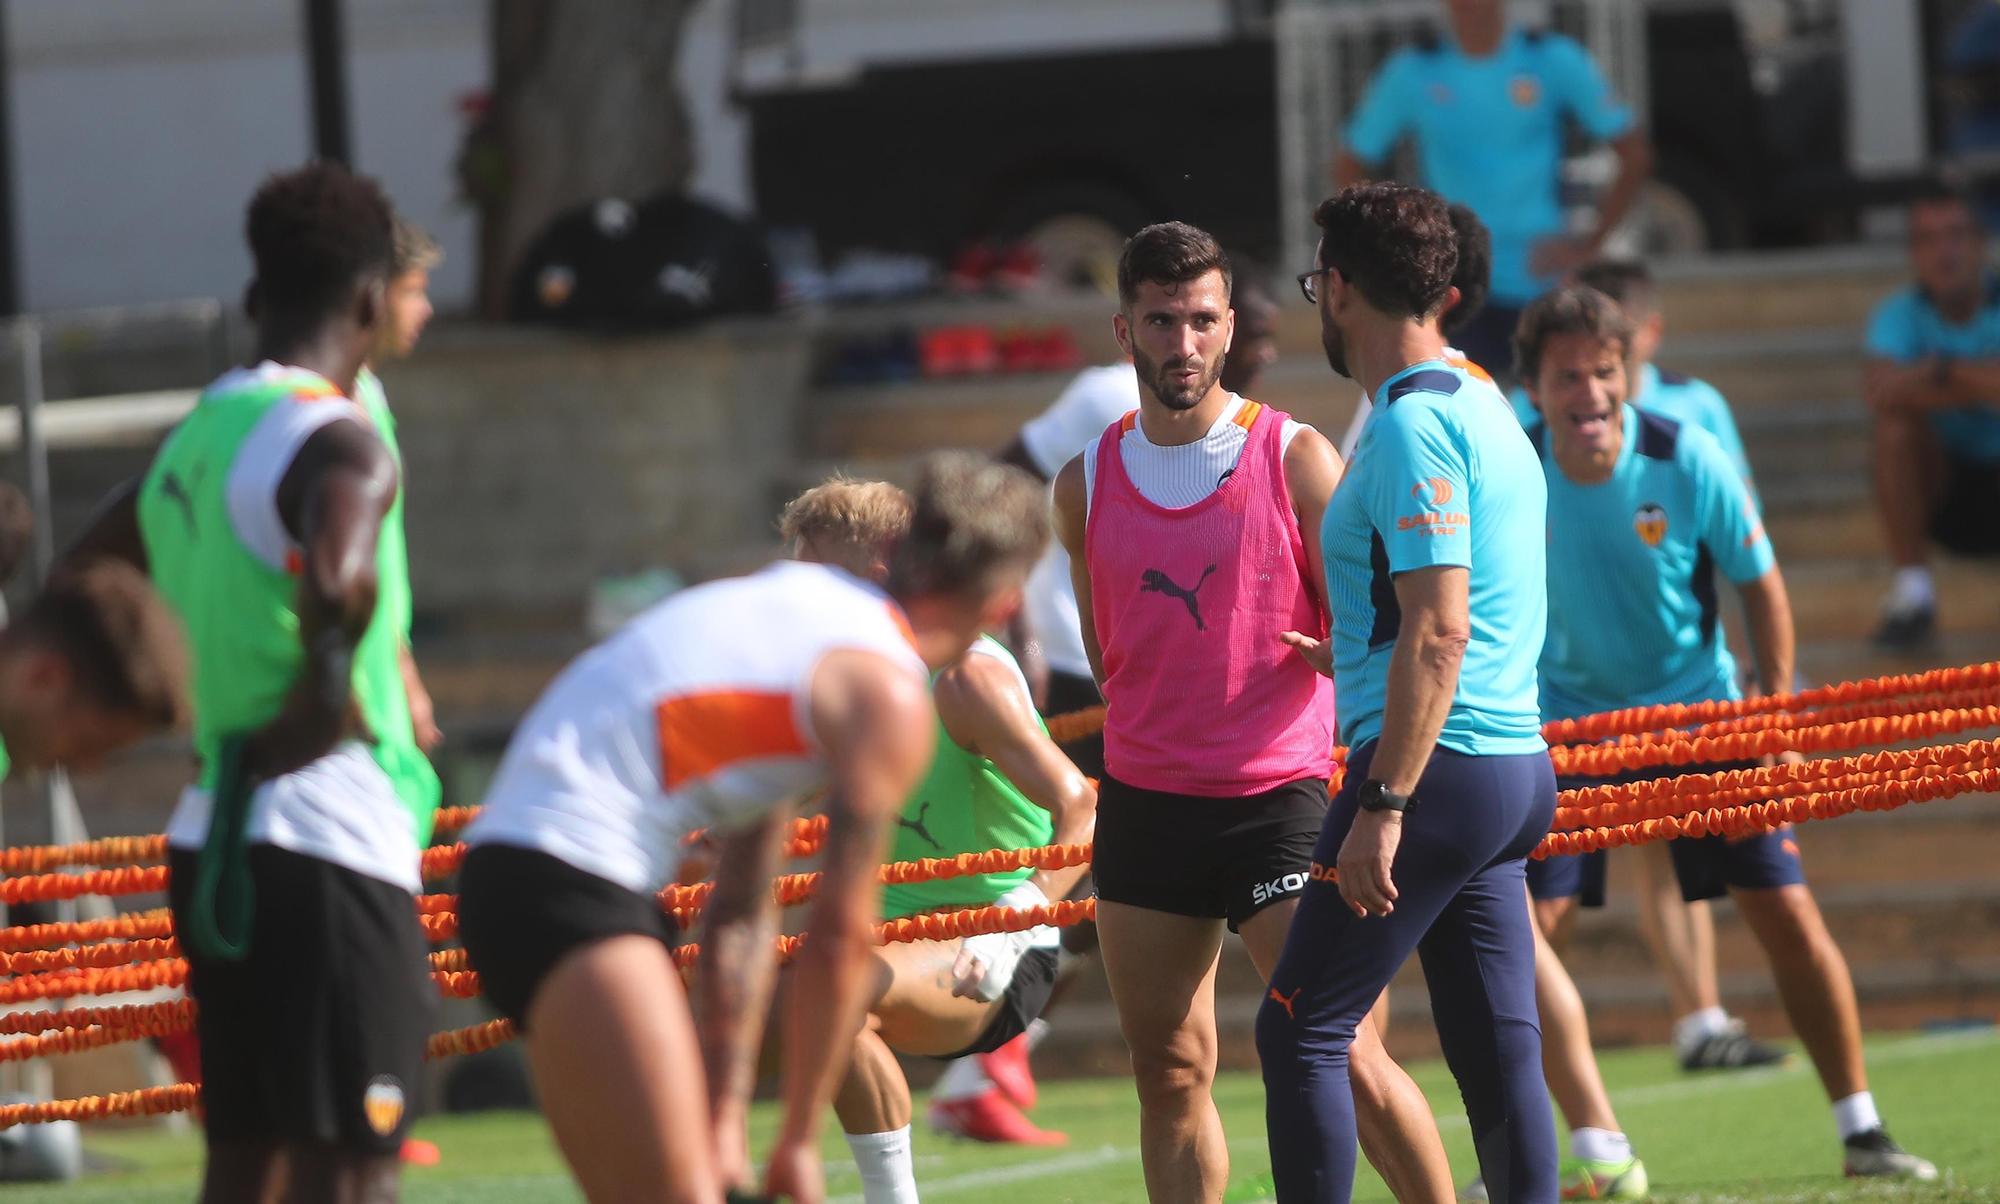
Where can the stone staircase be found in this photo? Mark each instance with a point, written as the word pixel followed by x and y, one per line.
pixel 1909 893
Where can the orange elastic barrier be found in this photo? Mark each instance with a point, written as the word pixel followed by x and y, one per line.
pixel 126 1016
pixel 1593 728
pixel 64 984
pixel 75 1040
pixel 111 850
pixel 1658 798
pixel 1947 700
pixel 155 923
pixel 1755 818
pixel 1075 725
pixel 477 1038
pixel 1604 760
pixel 792 889
pixel 114 953
pixel 153 1101
pixel 43 887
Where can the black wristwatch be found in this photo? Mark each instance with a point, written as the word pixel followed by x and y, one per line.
pixel 1375 796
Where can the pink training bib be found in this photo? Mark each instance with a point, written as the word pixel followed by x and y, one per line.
pixel 1201 696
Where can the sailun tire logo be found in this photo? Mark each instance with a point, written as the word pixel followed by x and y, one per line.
pixel 1440 491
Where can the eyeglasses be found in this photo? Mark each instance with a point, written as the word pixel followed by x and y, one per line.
pixel 1309 284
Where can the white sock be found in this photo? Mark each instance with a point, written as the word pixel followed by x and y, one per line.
pixel 1912 590
pixel 963 1079
pixel 1692 1028
pixel 1037 1029
pixel 888 1175
pixel 1856 1114
pixel 1599 1145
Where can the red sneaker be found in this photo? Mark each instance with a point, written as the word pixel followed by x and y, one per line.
pixel 989 1117
pixel 1008 1068
pixel 419 1153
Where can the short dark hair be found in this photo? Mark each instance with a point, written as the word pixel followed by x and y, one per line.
pixel 1629 282
pixel 315 234
pixel 1574 310
pixel 122 643
pixel 971 517
pixel 1474 272
pixel 1394 242
pixel 1170 253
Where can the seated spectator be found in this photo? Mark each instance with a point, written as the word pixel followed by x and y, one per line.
pixel 1932 382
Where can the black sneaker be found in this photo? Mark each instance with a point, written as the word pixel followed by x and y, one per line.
pixel 1731 1049
pixel 1907 630
pixel 1875 1155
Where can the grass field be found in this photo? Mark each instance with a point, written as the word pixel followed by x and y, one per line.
pixel 1753 1136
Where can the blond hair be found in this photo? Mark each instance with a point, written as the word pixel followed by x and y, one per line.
pixel 846 522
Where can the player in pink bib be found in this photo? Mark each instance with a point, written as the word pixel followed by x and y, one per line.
pixel 1183 523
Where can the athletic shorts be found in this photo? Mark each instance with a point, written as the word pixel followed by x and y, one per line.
pixel 1707 867
pixel 1027 994
pixel 1216 858
pixel 521 911
pixel 318 1034
pixel 1579 876
pixel 1964 519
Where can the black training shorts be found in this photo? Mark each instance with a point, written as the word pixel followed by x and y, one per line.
pixel 318 1034
pixel 1219 858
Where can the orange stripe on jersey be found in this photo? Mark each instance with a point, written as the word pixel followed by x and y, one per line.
pixel 702 733
pixel 1130 420
pixel 316 390
pixel 1248 414
pixel 1458 360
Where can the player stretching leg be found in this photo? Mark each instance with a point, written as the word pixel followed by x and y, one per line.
pixel 719 709
pixel 998 781
pixel 1643 513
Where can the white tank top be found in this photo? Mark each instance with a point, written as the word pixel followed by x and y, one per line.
pixel 695 715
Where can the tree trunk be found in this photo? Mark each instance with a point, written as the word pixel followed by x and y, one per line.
pixel 585 104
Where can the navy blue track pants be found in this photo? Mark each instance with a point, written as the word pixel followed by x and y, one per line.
pixel 1461 905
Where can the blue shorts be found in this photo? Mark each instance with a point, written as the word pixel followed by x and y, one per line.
pixel 1707 867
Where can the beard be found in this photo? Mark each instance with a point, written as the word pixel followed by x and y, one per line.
pixel 1171 393
pixel 1335 345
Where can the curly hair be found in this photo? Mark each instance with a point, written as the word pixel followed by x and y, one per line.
pixel 1394 242
pixel 1170 253
pixel 1574 310
pixel 1474 271
pixel 314 235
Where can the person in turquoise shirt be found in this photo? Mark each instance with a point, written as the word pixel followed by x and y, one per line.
pixel 1685 399
pixel 1932 382
pixel 96 662
pixel 1489 106
pixel 1433 546
pixel 1644 514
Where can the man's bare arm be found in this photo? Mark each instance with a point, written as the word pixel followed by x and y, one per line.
pixel 1071 519
pixel 734 980
pixel 984 710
